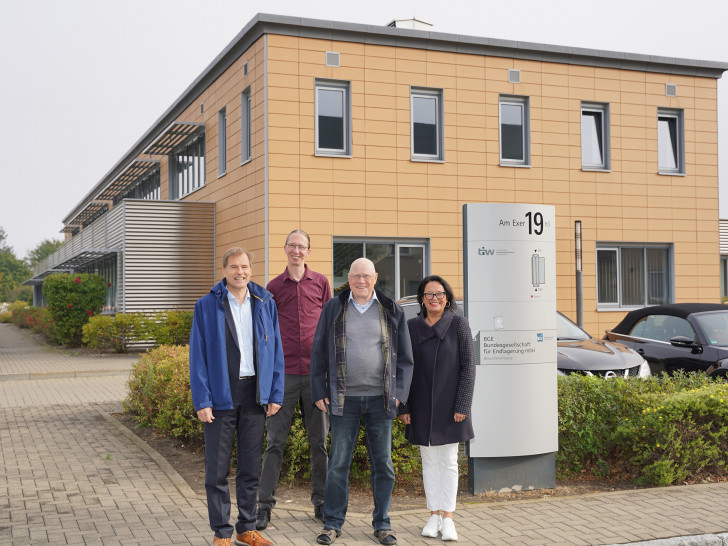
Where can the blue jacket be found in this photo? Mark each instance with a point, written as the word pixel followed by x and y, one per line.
pixel 209 378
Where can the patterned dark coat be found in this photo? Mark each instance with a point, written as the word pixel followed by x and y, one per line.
pixel 442 382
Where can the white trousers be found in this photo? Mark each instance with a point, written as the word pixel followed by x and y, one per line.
pixel 440 476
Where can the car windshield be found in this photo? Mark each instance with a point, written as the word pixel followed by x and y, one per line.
pixel 565 329
pixel 715 326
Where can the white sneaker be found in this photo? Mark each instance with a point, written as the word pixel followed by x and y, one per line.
pixel 434 524
pixel 448 529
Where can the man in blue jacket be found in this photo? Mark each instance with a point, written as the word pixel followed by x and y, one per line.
pixel 236 378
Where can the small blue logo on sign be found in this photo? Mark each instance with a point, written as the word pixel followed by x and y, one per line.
pixel 539 337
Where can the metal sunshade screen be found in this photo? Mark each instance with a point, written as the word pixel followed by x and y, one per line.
pixel 169 254
pixel 172 137
pixel 137 170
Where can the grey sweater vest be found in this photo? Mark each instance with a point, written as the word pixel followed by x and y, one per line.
pixel 364 362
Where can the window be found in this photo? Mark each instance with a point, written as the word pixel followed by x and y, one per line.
pixel 594 136
pixel 333 118
pixel 147 188
pixel 187 167
pixel 662 328
pixel 400 264
pixel 670 141
pixel 221 143
pixel 724 276
pixel 514 131
pixel 634 276
pixel 246 132
pixel 426 124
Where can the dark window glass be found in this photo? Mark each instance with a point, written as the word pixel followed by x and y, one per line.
pixel 344 254
pixel 633 276
pixel 411 269
pixel 424 125
pixel 607 276
pixel 512 132
pixel 331 108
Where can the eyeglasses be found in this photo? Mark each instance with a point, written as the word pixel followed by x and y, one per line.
pixel 361 277
pixel 433 295
pixel 292 246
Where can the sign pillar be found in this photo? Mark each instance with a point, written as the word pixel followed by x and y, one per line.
pixel 509 271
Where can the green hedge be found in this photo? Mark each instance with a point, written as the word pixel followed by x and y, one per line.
pixel 122 330
pixel 658 431
pixel 159 395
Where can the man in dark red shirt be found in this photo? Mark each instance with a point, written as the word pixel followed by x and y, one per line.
pixel 299 294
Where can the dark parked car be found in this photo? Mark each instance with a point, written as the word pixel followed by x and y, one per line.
pixel 577 352
pixel 680 336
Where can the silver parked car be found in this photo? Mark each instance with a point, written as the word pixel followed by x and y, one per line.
pixel 578 352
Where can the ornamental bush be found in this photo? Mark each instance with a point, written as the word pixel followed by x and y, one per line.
pixel 169 327
pixel 72 299
pixel 36 319
pixel 116 333
pixel 122 330
pixel 607 427
pixel 159 395
pixel 678 435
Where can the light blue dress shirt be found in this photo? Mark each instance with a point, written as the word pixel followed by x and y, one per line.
pixel 243 318
pixel 363 308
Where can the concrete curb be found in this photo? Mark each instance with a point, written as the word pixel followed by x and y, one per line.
pixel 179 482
pixel 697 540
pixel 60 375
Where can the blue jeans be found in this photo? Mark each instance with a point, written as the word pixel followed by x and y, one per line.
pixel 344 435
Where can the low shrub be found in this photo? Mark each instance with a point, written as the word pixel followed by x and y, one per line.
pixel 159 393
pixel 169 327
pixel 6 317
pixel 114 332
pixel 677 435
pixel 122 330
pixel 603 429
pixel 36 319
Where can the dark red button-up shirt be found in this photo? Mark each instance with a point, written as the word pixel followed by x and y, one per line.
pixel 299 307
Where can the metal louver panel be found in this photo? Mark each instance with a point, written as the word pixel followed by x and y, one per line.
pixel 723 230
pixel 169 254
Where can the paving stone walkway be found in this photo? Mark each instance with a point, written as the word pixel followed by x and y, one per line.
pixel 71 474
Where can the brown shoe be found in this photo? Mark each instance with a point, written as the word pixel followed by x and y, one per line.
pixel 217 541
pixel 252 538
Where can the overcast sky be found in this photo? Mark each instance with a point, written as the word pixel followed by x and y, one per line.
pixel 82 80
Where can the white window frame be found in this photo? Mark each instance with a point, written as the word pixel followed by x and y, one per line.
pixel 678 147
pixel 427 93
pixel 222 142
pixel 343 87
pixel 522 102
pixel 594 109
pixel 245 127
pixel 617 249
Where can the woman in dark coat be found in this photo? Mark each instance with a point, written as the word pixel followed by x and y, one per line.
pixel 437 412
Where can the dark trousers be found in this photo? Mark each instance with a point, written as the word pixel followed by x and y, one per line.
pixel 247 421
pixel 297 388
